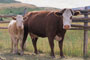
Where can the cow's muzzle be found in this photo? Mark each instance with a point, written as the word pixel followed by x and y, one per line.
pixel 20 27
pixel 66 27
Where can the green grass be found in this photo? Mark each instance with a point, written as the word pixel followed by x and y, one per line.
pixel 20 10
pixel 73 45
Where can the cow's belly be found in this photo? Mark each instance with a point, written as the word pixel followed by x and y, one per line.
pixel 38 33
pixel 37 30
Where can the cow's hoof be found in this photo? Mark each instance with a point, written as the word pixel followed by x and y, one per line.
pixel 36 52
pixel 21 53
pixel 1 58
pixel 16 53
pixel 52 56
pixel 40 51
pixel 62 57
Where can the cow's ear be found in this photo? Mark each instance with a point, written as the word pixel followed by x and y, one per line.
pixel 77 13
pixel 58 13
pixel 14 18
pixel 25 18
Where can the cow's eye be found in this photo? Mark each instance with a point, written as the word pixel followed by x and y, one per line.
pixel 71 17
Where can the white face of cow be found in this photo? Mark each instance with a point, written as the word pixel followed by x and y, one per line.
pixel 67 15
pixel 19 21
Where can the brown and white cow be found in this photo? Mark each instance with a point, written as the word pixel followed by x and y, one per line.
pixel 16 31
pixel 48 24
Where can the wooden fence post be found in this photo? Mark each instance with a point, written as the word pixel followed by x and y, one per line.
pixel 85 42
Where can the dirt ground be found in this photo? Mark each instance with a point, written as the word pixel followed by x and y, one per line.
pixel 31 56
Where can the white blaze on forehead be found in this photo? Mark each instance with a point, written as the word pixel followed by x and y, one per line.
pixel 19 19
pixel 66 17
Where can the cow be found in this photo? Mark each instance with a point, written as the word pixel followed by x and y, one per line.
pixel 16 32
pixel 51 24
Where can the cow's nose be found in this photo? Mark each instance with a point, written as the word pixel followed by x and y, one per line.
pixel 19 27
pixel 66 27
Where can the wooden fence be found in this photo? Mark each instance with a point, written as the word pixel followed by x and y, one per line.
pixel 84 27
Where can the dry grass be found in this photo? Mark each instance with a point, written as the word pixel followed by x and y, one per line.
pixel 73 45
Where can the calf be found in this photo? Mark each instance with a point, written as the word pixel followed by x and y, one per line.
pixel 48 24
pixel 16 31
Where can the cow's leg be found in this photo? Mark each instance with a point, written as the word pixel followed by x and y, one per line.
pixel 61 48
pixel 11 44
pixel 51 42
pixel 15 46
pixel 23 42
pixel 21 45
pixel 34 41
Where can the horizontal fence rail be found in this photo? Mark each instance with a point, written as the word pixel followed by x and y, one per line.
pixel 81 19
pixel 4 21
pixel 4 16
pixel 3 27
pixel 78 25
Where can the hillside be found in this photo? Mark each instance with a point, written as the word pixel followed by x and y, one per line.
pixel 8 1
pixel 18 8
pixel 16 5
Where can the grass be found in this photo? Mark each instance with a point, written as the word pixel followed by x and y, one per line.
pixel 73 46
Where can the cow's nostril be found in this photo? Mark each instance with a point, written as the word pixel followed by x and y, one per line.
pixel 66 27
pixel 19 26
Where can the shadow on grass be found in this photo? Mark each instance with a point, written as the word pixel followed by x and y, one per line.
pixel 32 56
pixel 26 56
